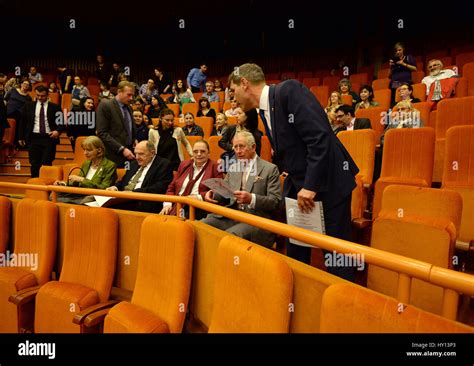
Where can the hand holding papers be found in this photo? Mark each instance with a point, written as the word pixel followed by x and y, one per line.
pixel 313 221
pixel 219 186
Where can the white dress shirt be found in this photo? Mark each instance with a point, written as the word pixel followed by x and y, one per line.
pixel 195 189
pixel 36 127
pixel 351 125
pixel 265 105
pixel 249 168
pixel 444 74
pixel 142 177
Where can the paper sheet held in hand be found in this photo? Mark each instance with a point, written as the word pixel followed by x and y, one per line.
pixel 220 187
pixel 313 221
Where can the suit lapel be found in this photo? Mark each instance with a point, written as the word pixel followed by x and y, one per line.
pixel 271 97
pixel 256 170
pixel 119 112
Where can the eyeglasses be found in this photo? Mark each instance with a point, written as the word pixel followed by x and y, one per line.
pixel 338 116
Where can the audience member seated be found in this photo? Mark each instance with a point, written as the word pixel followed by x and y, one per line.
pixel 168 139
pixel 190 177
pixel 344 88
pixel 246 121
pixel 218 86
pixel 345 115
pixel 210 94
pixel 205 109
pixel 182 95
pixel 401 67
pixel 334 102
pixel 220 126
pixel 229 94
pixel 79 92
pixel 406 93
pixel 191 128
pixel 142 127
pixel 232 112
pixel 105 93
pixel 34 76
pixel 147 91
pixel 256 185
pixel 96 172
pixel 53 88
pixel 149 173
pixel 404 115
pixel 439 83
pixel 137 105
pixel 366 98
pixel 82 121
pixel 157 104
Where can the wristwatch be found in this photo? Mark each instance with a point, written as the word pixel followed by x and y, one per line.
pixel 122 148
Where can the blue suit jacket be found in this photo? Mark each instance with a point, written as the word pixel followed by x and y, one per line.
pixel 305 146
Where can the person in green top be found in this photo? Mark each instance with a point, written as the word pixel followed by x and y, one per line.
pixel 96 172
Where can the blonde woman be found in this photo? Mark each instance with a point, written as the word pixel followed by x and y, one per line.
pixel 334 102
pixel 169 140
pixel 221 125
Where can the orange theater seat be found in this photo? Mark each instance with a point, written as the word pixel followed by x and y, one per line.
pixel 349 308
pixel 216 150
pixel 35 194
pixel 160 298
pixel 5 212
pixel 190 107
pixel 247 300
pixel 458 176
pixel 381 84
pixel 207 124
pixel 51 173
pixel 266 149
pixel 382 96
pixel 321 93
pixel 36 229
pixel 419 223
pixel 407 159
pixel 90 249
pixel 377 117
pixel 192 140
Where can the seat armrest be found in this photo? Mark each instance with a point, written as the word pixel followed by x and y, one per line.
pixel 98 317
pixel 24 296
pixel 80 316
pixel 361 223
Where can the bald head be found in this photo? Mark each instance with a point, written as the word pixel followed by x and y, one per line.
pixel 144 152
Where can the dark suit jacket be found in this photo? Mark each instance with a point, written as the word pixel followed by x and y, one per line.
pixel 210 171
pixel 306 147
pixel 27 122
pixel 112 130
pixel 359 124
pixel 156 181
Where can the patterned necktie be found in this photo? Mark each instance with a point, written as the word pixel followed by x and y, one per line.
pixel 42 120
pixel 128 124
pixel 133 182
pixel 261 112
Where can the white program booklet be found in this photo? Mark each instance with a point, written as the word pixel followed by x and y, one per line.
pixel 220 186
pixel 313 221
pixel 104 201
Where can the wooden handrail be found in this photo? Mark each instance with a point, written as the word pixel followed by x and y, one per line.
pixel 407 267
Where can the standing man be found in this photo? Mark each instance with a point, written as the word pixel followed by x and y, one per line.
pixel 41 124
pixel 197 79
pixel 114 124
pixel 318 165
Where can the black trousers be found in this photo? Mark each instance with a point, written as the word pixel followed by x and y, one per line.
pixel 338 224
pixel 41 151
pixel 195 90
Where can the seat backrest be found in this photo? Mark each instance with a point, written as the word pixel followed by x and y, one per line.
pixel 310 82
pixel 361 146
pixel 383 73
pixel 190 107
pixel 464 58
pixel 419 91
pixel 468 73
pixel 418 75
pixel 192 140
pixel 36 231
pixel 34 194
pixel 207 124
pixel 361 78
pixel 382 96
pixel 409 153
pixel 216 150
pixel 174 108
pixel 419 223
pixel 347 99
pixel 321 93
pixel 331 82
pixel 165 265
pixel 51 173
pixel 348 308
pixel 377 117
pixel 454 112
pixel 459 156
pixel 425 113
pixel 79 156
pixel 5 212
pixel 90 248
pixel 266 150
pixel 380 84
pixel 66 100
pixel 253 289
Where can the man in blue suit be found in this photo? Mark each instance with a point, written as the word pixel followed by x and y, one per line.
pixel 318 166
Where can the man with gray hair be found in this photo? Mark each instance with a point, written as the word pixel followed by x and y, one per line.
pixel 318 165
pixel 256 185
pixel 149 173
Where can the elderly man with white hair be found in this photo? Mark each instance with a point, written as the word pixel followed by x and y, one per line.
pixel 435 68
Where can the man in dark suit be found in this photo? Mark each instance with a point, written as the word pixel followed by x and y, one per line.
pixel 256 185
pixel 115 125
pixel 318 165
pixel 41 124
pixel 149 173
pixel 345 115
